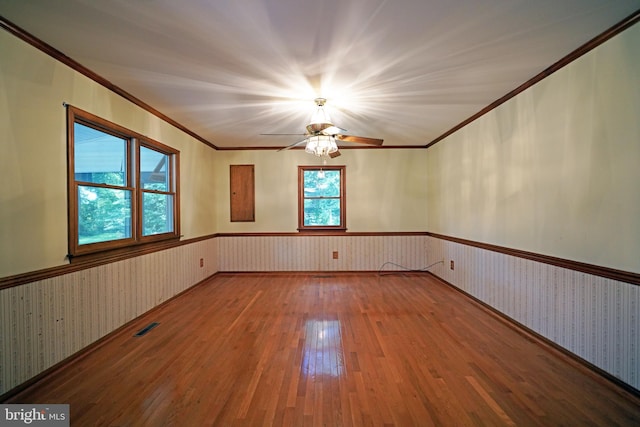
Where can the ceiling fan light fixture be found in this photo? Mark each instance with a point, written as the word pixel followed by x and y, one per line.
pixel 320 119
pixel 321 145
pixel 321 135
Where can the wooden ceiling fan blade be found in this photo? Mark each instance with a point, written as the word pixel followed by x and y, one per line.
pixel 334 154
pixel 359 139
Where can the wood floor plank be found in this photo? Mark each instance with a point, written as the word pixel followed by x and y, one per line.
pixel 330 350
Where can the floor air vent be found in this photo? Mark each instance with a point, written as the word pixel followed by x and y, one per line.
pixel 146 329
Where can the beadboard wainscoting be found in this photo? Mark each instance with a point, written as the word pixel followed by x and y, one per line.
pixel 593 317
pixel 46 321
pixel 295 252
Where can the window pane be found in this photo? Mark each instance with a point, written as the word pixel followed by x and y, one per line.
pixel 153 170
pixel 99 157
pixel 157 213
pixel 104 214
pixel 321 212
pixel 322 183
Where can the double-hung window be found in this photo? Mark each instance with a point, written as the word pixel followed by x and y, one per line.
pixel 123 187
pixel 321 198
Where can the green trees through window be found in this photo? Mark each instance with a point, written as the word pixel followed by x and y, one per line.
pixel 321 198
pixel 103 214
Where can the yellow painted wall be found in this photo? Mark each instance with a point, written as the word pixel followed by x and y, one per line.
pixel 556 169
pixel 33 196
pixel 386 189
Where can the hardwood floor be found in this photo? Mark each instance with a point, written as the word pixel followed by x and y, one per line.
pixel 329 350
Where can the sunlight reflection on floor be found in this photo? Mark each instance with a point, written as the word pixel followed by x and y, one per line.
pixel 322 352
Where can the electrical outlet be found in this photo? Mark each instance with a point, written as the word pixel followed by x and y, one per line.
pixel 452 266
pixel 201 262
pixel 335 254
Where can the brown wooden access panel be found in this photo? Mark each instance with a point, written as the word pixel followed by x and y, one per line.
pixel 242 186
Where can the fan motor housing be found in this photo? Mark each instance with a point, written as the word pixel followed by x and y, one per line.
pixel 314 128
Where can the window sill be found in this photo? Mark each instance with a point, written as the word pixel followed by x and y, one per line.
pixel 325 230
pixel 112 255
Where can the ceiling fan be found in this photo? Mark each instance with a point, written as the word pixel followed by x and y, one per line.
pixel 321 135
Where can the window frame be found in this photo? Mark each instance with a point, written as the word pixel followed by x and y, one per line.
pixel 133 184
pixel 343 199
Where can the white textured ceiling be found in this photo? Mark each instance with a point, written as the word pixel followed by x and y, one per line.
pixel 406 71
